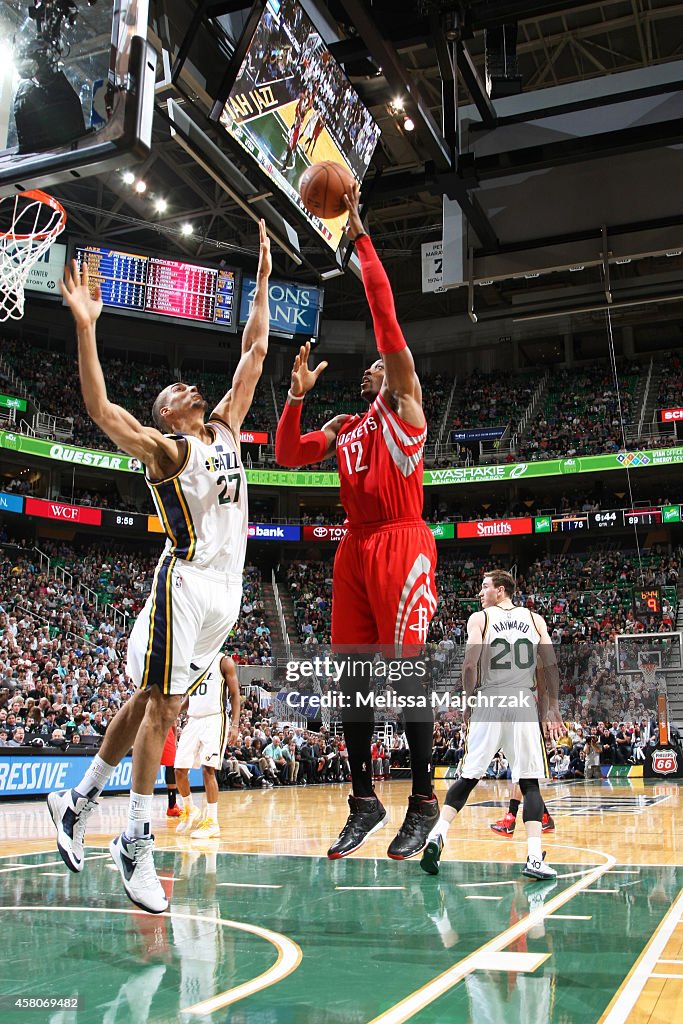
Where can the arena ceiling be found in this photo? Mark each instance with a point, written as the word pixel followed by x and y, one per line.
pixel 381 44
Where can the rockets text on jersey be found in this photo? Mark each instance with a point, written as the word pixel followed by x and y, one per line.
pixel 380 461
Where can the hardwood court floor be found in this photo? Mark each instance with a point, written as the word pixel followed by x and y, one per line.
pixel 264 930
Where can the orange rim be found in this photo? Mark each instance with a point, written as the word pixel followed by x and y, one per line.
pixel 41 197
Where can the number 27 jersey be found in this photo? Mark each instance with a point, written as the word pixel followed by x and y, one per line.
pixel 381 467
pixel 203 507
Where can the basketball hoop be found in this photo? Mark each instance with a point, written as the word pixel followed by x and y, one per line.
pixel 29 224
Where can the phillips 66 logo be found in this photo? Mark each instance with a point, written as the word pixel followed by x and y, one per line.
pixel 665 762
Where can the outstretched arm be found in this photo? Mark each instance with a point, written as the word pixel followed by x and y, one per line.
pixel 161 455
pixel 291 449
pixel 400 380
pixel 548 683
pixel 235 405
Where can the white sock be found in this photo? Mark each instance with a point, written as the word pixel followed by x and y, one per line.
pixel 139 815
pixel 534 847
pixel 180 800
pixel 440 829
pixel 95 778
pixel 210 868
pixel 212 811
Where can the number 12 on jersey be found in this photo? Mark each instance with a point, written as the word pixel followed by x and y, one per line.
pixel 355 448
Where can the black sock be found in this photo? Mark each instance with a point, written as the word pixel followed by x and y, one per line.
pixel 358 736
pixel 171 798
pixel 420 738
pixel 514 807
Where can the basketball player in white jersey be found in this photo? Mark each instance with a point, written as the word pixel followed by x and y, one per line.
pixel 504 643
pixel 203 742
pixel 194 472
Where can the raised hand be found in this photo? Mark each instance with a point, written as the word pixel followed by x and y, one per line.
pixel 85 306
pixel 354 226
pixel 303 378
pixel 265 263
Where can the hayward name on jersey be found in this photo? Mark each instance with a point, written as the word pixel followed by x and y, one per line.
pixel 509 649
pixel 203 507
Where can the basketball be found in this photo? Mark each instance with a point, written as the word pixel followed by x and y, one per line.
pixel 322 188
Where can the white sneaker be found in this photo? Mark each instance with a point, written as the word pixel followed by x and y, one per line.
pixel 135 860
pixel 70 813
pixel 535 868
pixel 189 819
pixel 207 828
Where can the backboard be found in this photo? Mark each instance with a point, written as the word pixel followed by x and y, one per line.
pixel 663 651
pixel 76 89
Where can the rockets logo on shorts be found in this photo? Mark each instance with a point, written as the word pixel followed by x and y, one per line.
pixel 417 604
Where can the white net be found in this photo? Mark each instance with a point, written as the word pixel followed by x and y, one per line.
pixel 29 224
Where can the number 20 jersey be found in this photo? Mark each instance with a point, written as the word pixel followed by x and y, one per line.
pixel 381 468
pixel 509 650
pixel 203 507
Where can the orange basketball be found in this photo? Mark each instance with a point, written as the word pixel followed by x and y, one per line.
pixel 322 187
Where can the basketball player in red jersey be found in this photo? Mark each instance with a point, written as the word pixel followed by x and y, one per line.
pixel 383 592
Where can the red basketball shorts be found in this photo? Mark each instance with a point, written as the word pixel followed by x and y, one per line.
pixel 383 590
pixel 168 753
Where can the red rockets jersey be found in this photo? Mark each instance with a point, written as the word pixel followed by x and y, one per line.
pixel 380 460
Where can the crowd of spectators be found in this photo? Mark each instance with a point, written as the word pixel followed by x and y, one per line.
pixel 581 414
pixel 63 654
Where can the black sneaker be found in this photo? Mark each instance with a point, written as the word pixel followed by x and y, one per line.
pixel 411 839
pixel 367 816
pixel 432 856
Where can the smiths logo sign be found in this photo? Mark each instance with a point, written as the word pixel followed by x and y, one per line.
pixel 665 762
pixel 294 308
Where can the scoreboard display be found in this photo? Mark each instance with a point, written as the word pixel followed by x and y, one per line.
pixel 643 517
pixel 605 520
pixel 647 601
pixel 133 283
pixel 570 522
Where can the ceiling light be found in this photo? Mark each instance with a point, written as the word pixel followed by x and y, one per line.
pixel 579 266
pixel 408 124
pixel 128 177
pixel 674 252
pixel 186 229
pixel 140 186
pixel 160 205
pixel 531 276
pixel 482 284
pixel 623 260
pixel 397 103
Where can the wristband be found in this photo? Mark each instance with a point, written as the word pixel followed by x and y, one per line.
pixel 361 234
pixel 295 398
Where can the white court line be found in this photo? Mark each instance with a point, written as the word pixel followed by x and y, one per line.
pixel 367 888
pixel 620 871
pixel 289 953
pixel 670 961
pixel 247 885
pixel 624 1001
pixel 426 994
pixel 56 874
pixel 590 892
pixel 483 897
pixel 656 974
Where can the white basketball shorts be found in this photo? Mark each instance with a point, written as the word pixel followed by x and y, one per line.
pixel 521 742
pixel 183 625
pixel 202 742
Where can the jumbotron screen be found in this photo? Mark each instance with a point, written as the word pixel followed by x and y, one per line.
pixel 291 105
pixel 132 283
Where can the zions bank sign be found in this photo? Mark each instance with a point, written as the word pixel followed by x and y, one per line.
pixel 294 308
